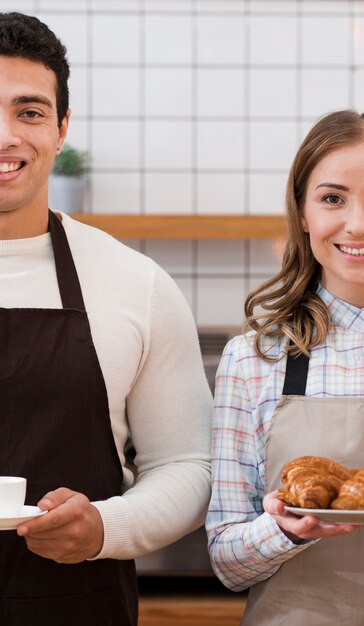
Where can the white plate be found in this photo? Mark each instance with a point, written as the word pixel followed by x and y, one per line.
pixel 332 516
pixel 27 513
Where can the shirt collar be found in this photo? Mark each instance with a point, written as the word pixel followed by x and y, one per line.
pixel 341 313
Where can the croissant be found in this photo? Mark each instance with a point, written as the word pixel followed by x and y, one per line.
pixel 312 482
pixel 351 494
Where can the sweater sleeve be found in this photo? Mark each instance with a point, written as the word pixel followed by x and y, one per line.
pixel 246 544
pixel 169 412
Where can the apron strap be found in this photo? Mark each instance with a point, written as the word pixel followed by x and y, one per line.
pixel 296 374
pixel 68 283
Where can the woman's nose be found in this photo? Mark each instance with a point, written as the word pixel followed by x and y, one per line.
pixel 355 221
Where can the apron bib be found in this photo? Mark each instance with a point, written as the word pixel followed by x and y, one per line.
pixel 324 584
pixel 56 431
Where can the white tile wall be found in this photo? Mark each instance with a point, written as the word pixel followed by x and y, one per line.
pixel 324 7
pixel 187 286
pixel 115 144
pixel 220 193
pixel 359 38
pixel 334 31
pixel 265 257
pixel 221 39
pixel 168 92
pixel 168 39
pixel 115 38
pixel 272 145
pixel 220 145
pixel 168 145
pixel 325 90
pixel 120 92
pixel 266 192
pixel 25 6
pixel 273 6
pixel 78 134
pixel 167 193
pixel 220 92
pixel 266 89
pixel 175 256
pixel 70 5
pixel 220 299
pixel 78 88
pixel 116 192
pixel 273 39
pixel 358 97
pixel 72 30
pixel 226 257
pixel 198 106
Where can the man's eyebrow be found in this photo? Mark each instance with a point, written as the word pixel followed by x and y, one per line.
pixel 333 186
pixel 32 98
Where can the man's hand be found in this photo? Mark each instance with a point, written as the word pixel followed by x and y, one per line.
pixel 72 530
pixel 298 528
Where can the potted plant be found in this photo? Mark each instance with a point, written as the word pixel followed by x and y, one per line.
pixel 68 180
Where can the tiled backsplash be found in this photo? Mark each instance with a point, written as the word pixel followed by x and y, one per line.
pixel 198 106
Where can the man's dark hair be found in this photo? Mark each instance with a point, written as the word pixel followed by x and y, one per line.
pixel 26 36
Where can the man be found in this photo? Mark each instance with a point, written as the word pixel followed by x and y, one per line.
pixel 94 339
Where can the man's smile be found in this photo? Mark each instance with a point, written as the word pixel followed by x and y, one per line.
pixel 12 166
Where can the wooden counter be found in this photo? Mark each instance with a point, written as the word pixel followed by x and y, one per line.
pixel 188 226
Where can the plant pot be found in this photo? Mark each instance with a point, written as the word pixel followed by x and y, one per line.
pixel 67 193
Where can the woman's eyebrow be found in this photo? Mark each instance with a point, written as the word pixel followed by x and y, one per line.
pixel 334 186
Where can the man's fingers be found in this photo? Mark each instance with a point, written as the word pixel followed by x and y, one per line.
pixel 52 499
pixel 57 516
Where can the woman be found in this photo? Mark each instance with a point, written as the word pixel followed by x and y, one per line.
pixel 270 409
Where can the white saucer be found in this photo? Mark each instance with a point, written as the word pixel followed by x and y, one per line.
pixel 27 513
pixel 333 516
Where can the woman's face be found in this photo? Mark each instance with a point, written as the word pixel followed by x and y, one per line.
pixel 334 218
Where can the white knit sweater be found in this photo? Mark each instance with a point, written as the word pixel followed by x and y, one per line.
pixel 147 345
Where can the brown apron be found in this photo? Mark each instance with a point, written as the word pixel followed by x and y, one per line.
pixel 324 584
pixel 55 430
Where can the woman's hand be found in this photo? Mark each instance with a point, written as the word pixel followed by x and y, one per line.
pixel 301 528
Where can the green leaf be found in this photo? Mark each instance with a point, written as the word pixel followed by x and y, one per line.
pixel 71 162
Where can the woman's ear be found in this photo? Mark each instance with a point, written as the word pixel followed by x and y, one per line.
pixel 304 224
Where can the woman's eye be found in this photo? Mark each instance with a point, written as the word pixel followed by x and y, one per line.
pixel 332 198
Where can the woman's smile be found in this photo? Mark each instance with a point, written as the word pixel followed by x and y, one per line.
pixel 353 252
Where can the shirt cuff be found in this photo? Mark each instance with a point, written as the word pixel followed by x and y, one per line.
pixel 116 528
pixel 272 543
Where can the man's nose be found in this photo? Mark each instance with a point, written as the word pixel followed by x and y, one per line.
pixel 9 138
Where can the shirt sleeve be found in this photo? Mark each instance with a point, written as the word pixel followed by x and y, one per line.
pixel 169 411
pixel 246 544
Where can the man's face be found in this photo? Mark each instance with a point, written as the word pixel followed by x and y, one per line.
pixel 29 135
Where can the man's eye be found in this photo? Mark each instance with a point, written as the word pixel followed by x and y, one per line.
pixel 332 198
pixel 31 114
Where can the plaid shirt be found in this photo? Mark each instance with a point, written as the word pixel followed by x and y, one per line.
pixel 246 545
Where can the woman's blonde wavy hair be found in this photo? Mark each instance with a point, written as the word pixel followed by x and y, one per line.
pixel 289 300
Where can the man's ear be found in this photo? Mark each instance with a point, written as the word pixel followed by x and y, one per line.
pixel 62 134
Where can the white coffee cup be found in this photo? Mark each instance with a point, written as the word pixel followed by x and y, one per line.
pixel 12 495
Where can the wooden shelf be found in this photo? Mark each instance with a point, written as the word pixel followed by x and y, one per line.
pixel 187 226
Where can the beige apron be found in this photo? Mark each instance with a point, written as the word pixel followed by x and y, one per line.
pixel 324 584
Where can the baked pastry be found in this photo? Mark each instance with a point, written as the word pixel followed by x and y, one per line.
pixel 351 494
pixel 312 482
